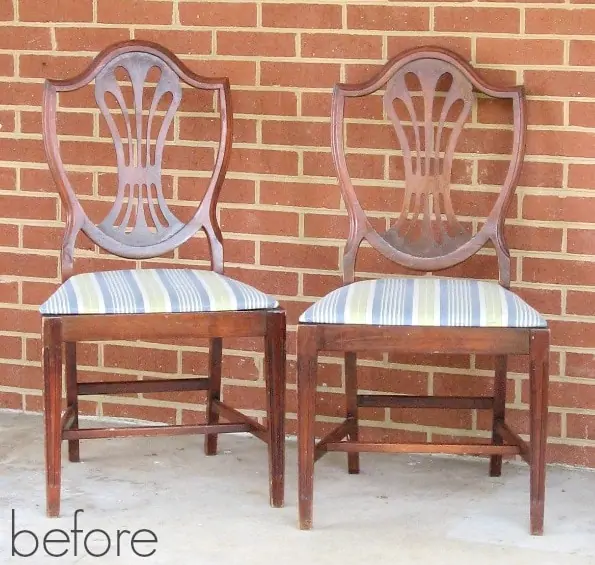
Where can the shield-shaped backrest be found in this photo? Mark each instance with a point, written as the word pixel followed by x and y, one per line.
pixel 428 98
pixel 138 88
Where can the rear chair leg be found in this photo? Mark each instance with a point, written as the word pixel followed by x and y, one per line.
pixel 72 398
pixel 274 369
pixel 352 409
pixel 214 392
pixel 307 359
pixel 52 396
pixel 538 410
pixel 498 412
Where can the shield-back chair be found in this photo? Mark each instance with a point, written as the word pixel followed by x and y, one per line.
pixel 425 314
pixel 149 303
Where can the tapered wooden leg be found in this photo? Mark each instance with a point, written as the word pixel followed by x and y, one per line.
pixel 274 368
pixel 539 380
pixel 52 395
pixel 307 360
pixel 352 411
pixel 72 398
pixel 214 392
pixel 498 412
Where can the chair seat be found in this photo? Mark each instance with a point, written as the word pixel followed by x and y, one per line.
pixel 424 301
pixel 154 291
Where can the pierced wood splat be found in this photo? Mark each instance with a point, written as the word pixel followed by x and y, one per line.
pixel 139 216
pixel 428 97
pixel 138 115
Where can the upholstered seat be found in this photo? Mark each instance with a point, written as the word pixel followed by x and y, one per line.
pixel 424 301
pixel 154 291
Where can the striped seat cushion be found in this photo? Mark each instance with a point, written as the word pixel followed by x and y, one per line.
pixel 154 291
pixel 424 301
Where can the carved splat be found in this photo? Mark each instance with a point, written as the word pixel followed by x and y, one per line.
pixel 427 224
pixel 139 215
pixel 138 89
pixel 428 97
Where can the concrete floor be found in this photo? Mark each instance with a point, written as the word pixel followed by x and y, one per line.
pixel 401 509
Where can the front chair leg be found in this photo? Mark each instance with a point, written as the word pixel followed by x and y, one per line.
pixel 72 398
pixel 498 412
pixel 539 380
pixel 307 359
pixel 52 396
pixel 214 392
pixel 352 409
pixel 274 368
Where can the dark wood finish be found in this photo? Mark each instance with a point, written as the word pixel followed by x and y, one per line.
pixel 454 448
pixel 148 386
pixel 538 407
pixel 352 408
pixel 427 237
pixel 72 397
pixel 394 401
pixel 145 431
pixel 214 391
pixel 499 411
pixel 140 225
pixel 235 416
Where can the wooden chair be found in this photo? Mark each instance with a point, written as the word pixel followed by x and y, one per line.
pixel 425 314
pixel 150 303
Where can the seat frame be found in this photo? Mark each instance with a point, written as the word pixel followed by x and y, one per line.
pixel 353 339
pixel 60 334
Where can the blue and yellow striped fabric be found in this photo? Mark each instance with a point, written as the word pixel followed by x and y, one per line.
pixel 424 301
pixel 154 291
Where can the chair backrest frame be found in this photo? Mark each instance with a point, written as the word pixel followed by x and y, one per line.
pixel 429 64
pixel 138 171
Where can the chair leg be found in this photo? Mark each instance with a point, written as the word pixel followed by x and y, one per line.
pixel 52 396
pixel 352 411
pixel 539 380
pixel 274 368
pixel 72 398
pixel 214 392
pixel 498 412
pixel 307 359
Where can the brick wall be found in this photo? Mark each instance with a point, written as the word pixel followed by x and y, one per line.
pixel 281 211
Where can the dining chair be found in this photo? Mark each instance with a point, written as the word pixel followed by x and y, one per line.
pixel 138 87
pixel 425 314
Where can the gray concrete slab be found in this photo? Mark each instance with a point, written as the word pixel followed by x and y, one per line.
pixel 204 510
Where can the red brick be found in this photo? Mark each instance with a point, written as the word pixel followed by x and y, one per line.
pixel 580 302
pixel 259 222
pixel 520 51
pixel 6 11
pixel 582 52
pixel 193 42
pixel 262 102
pixel 468 19
pixel 56 10
pixel 581 241
pixel 11 400
pixel 264 161
pixel 141 359
pixel 460 45
pixel 29 265
pixel 556 208
pixel 534 238
pixel 560 21
pixel 301 195
pixel 134 12
pixel 557 271
pixel 580 365
pixel 26 38
pixel 245 43
pixel 397 381
pixel 294 255
pixel 560 83
pixel 162 414
pixel 272 282
pixel 341 46
pixel 572 334
pixel 580 175
pixel 315 75
pixel 304 16
pixel 296 133
pixel 533 174
pixel 218 14
pixel 88 38
pixel 17 93
pixel 388 18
